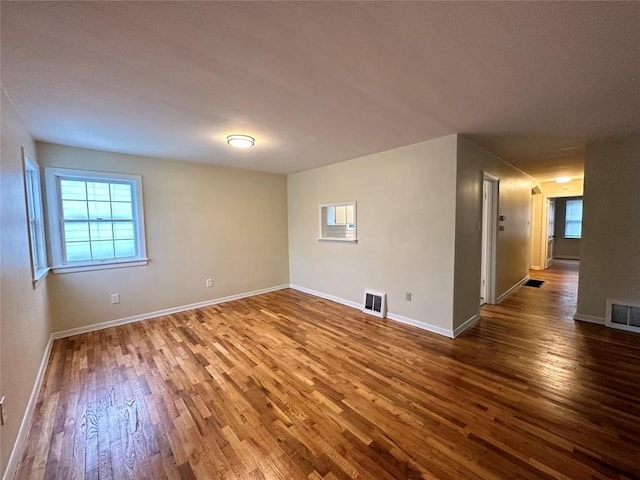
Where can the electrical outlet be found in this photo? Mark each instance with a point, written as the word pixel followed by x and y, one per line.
pixel 115 298
pixel 407 296
pixel 209 282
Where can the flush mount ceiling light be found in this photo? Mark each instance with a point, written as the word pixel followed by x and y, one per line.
pixel 563 179
pixel 241 141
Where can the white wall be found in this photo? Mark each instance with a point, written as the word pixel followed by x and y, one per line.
pixel 406 226
pixel 512 245
pixel 201 221
pixel 25 322
pixel 610 245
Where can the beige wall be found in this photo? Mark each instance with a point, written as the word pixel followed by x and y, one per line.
pixel 610 252
pixel 201 222
pixel 512 247
pixel 406 225
pixel 25 323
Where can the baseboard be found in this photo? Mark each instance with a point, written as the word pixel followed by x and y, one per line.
pixel 589 318
pixel 391 316
pixel 159 313
pixel 566 257
pixel 466 325
pixel 511 290
pixel 23 431
pixel 326 296
pixel 422 325
pixel 536 267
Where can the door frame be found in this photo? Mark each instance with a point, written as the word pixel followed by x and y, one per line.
pixel 545 221
pixel 489 238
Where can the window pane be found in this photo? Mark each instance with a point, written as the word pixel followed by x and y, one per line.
pixel 102 250
pixel 125 248
pixel 573 219
pixel 123 230
pixel 98 191
pixel 121 192
pixel 341 215
pixel 573 230
pixel 73 190
pixel 122 210
pixel 76 232
pixel 101 231
pixel 74 210
pixel 78 251
pixel 99 210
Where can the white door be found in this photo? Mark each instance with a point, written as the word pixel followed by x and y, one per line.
pixel 489 221
pixel 551 225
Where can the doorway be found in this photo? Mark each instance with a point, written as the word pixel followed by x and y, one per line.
pixel 551 226
pixel 490 187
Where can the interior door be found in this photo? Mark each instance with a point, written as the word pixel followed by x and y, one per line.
pixel 484 290
pixel 551 225
pixel 490 190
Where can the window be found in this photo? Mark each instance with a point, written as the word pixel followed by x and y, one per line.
pixel 39 267
pixel 573 219
pixel 338 221
pixel 96 220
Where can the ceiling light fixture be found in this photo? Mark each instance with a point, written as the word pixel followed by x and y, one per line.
pixel 563 179
pixel 241 141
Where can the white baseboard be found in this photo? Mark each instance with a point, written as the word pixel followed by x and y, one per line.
pixel 159 313
pixel 21 439
pixel 466 325
pixel 536 267
pixel 391 316
pixel 511 290
pixel 326 296
pixel 423 325
pixel 589 318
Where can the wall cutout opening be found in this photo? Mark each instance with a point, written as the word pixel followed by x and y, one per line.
pixel 338 222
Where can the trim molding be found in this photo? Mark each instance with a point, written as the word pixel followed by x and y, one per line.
pixel 326 296
pixel 466 325
pixel 589 318
pixel 159 313
pixel 566 257
pixel 21 438
pixel 422 325
pixel 535 267
pixel 511 290
pixel 391 316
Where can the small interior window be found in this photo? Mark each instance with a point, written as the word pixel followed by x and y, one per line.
pixel 338 221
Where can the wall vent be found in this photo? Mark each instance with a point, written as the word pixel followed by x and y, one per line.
pixel 623 315
pixel 375 303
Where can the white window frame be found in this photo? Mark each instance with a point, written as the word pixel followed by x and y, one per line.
pixel 54 204
pixel 353 231
pixel 35 220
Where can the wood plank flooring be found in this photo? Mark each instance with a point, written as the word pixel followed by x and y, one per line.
pixel 289 386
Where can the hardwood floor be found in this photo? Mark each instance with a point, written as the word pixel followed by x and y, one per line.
pixel 289 386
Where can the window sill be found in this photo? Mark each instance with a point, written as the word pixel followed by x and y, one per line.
pixel 138 262
pixel 349 240
pixel 40 275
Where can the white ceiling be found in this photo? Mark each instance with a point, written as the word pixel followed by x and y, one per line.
pixel 321 82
